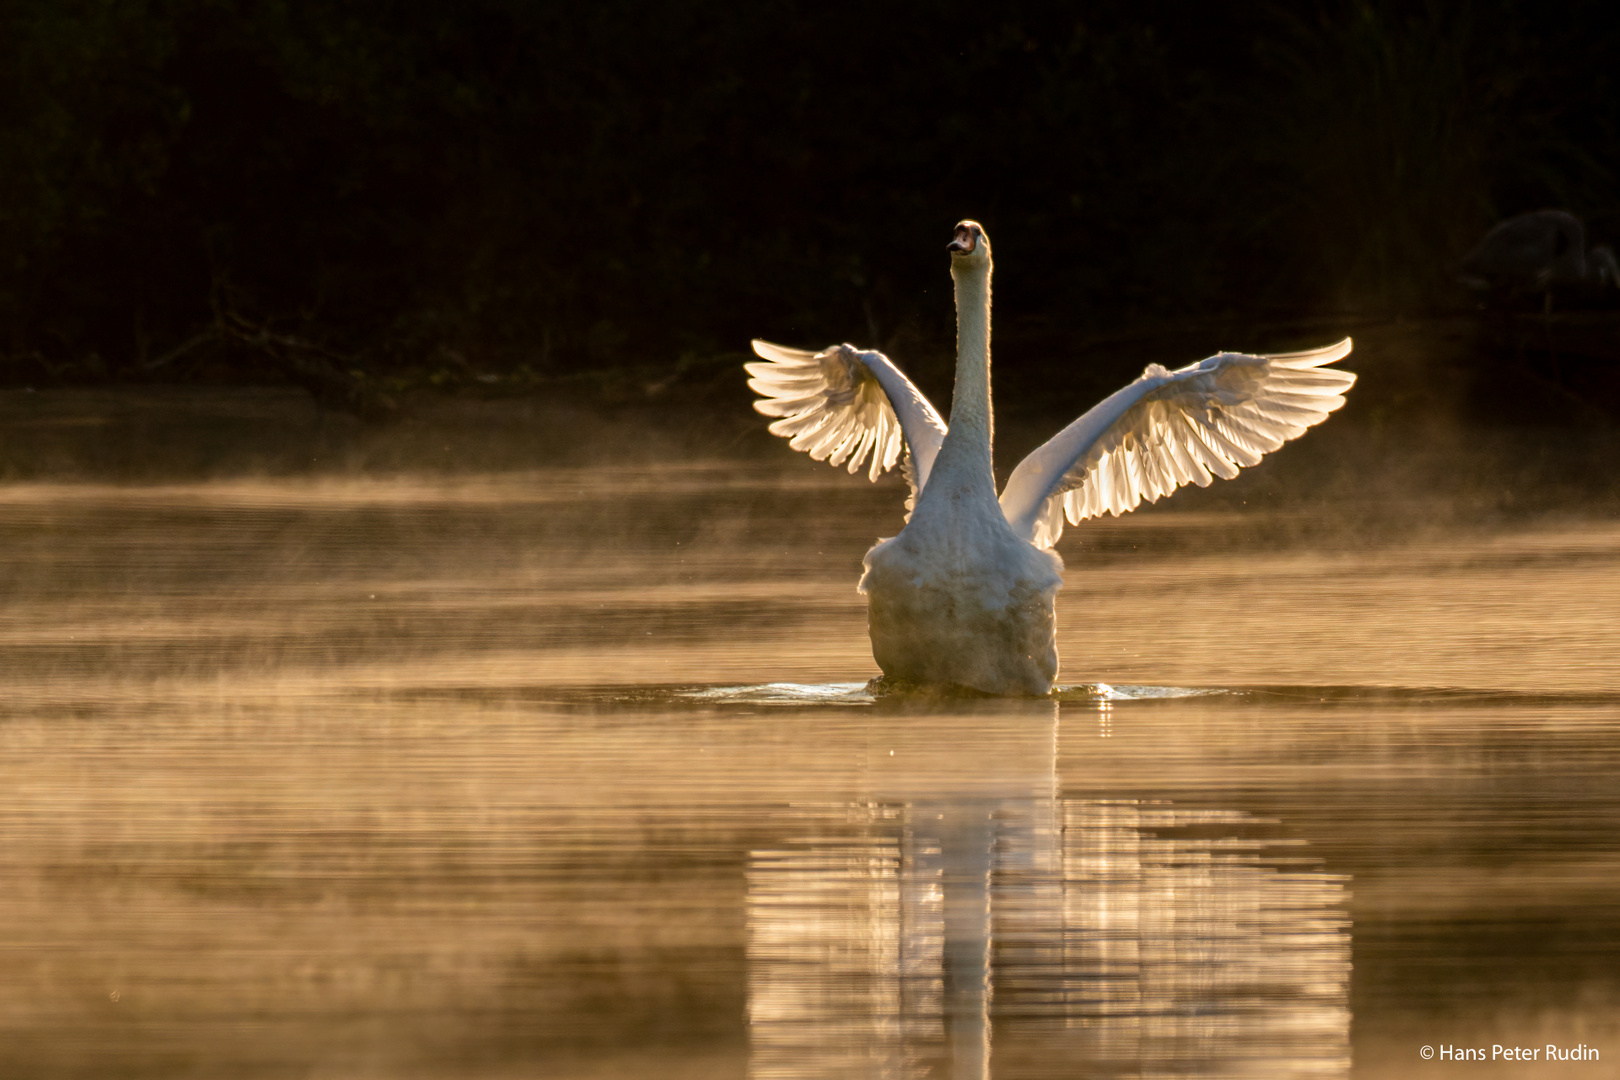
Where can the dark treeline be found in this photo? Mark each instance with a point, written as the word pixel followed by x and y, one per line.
pixel 508 185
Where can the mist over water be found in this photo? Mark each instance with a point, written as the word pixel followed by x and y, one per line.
pixel 423 761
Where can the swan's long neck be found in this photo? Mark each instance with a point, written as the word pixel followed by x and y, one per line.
pixel 964 457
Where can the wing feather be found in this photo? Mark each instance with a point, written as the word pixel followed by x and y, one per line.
pixel 843 405
pixel 1170 428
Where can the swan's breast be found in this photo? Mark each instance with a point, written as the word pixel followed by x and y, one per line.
pixel 991 568
pixel 947 613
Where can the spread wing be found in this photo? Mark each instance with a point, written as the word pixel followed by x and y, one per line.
pixel 1170 428
pixel 844 403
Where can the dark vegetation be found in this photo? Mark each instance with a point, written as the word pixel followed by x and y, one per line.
pixel 361 195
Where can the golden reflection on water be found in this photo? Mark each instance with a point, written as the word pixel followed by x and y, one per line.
pixel 412 777
pixel 1095 936
pixel 965 894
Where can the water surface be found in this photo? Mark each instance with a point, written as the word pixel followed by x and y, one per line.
pixel 572 773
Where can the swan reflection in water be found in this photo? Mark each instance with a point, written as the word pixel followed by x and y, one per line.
pixel 1100 937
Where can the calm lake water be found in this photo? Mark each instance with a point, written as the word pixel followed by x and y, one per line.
pixel 571 773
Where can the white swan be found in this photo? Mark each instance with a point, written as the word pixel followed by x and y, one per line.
pixel 964 594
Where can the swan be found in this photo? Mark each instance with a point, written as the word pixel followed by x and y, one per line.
pixel 965 593
pixel 1535 252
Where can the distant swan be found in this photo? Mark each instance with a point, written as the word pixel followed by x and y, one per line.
pixel 1535 253
pixel 964 594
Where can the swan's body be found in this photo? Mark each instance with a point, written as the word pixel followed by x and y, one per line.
pixel 965 593
pixel 1537 253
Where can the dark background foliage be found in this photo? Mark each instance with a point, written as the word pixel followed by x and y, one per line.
pixel 511 185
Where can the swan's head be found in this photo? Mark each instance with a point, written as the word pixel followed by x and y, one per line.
pixel 1603 265
pixel 971 247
